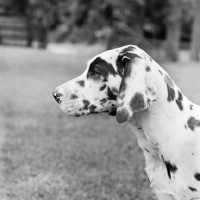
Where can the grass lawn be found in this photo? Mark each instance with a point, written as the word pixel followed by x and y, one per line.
pixel 47 155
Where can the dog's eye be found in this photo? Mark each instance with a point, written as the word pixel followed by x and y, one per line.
pixel 96 73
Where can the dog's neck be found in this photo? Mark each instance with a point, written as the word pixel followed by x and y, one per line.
pixel 156 121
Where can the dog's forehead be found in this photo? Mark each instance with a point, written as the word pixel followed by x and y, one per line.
pixel 109 57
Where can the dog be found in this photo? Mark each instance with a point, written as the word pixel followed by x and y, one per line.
pixel 127 83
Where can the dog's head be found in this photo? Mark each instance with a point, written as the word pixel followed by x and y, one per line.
pixel 118 82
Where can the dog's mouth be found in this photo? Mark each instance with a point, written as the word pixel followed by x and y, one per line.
pixel 81 112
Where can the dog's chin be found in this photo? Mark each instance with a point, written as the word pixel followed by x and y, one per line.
pixel 79 114
pixel 80 111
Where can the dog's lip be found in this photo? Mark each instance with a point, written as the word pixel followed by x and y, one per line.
pixel 77 114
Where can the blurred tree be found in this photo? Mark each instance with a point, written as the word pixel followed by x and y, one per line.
pixel 195 45
pixel 155 18
pixel 126 19
pixel 173 24
pixel 20 6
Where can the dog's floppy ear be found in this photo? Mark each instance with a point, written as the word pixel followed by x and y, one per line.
pixel 138 88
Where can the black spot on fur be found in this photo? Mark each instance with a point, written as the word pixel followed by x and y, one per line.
pixel 170 168
pixel 185 126
pixel 192 123
pixel 171 93
pixel 81 83
pixel 137 102
pixel 147 150
pixel 73 96
pixel 122 115
pixel 192 189
pixel 104 68
pixel 148 69
pixel 77 115
pixel 191 107
pixel 179 100
pixel 92 108
pixel 113 110
pixel 102 87
pixel 86 104
pixel 168 81
pixel 160 72
pixel 197 176
pixel 110 94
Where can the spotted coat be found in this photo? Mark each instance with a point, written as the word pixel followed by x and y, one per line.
pixel 127 83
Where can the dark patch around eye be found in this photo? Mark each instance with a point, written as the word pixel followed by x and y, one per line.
pixel 102 87
pixel 106 68
pixel 110 94
pixel 192 123
pixel 191 107
pixel 137 102
pixel 171 93
pixel 192 189
pixel 148 69
pixel 197 176
pixel 73 96
pixel 86 104
pixel 179 100
pixel 81 83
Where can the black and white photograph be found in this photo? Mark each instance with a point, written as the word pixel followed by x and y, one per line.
pixel 100 100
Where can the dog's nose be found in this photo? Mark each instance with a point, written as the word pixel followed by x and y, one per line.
pixel 57 96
